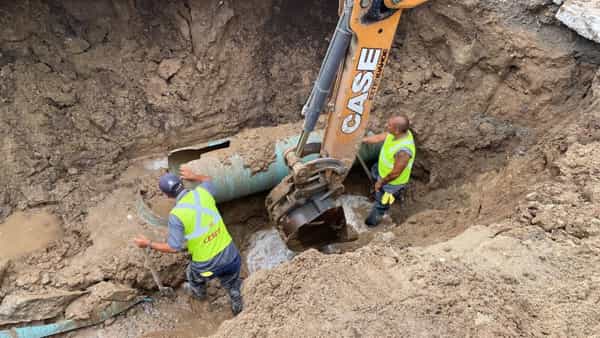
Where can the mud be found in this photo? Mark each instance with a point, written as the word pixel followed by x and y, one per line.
pixel 180 317
pixel 498 233
pixel 23 233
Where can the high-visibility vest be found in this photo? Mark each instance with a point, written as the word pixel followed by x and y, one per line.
pixel 203 225
pixel 387 157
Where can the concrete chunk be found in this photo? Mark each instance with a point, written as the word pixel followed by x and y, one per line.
pixel 100 297
pixel 582 16
pixel 19 308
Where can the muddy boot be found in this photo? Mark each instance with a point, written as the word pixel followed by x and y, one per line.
pixel 374 218
pixel 197 294
pixel 237 304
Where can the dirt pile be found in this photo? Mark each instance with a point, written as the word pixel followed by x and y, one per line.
pixel 502 98
pixel 521 276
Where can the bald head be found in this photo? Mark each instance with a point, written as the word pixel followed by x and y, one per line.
pixel 398 125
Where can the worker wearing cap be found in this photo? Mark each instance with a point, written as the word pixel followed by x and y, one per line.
pixel 393 168
pixel 195 223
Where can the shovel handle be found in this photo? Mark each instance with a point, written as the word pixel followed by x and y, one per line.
pixel 151 268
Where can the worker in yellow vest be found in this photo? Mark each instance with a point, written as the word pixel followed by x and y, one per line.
pixel 393 168
pixel 195 223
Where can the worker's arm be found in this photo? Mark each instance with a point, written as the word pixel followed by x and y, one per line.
pixel 188 174
pixel 401 161
pixel 205 181
pixel 374 139
pixel 143 242
pixel 175 241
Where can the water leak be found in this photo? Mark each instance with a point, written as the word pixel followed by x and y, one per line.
pixel 267 250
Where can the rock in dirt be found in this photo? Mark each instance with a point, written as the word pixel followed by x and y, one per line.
pixel 155 88
pixel 36 195
pixel 104 121
pixel 101 296
pixel 168 68
pixel 583 16
pixel 61 100
pixel 76 45
pixel 19 308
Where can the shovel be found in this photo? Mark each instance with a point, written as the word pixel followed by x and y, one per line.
pixel 164 291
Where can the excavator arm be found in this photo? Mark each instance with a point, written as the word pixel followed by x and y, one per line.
pixel 305 205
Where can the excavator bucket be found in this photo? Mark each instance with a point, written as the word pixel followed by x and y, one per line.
pixel 305 206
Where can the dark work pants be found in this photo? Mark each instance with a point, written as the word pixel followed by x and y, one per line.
pixel 228 275
pixel 379 209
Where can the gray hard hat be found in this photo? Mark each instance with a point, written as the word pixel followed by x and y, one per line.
pixel 170 184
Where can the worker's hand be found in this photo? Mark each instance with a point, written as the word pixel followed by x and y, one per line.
pixel 141 241
pixel 187 174
pixel 378 185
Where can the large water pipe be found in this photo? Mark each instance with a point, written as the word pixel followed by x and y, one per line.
pixel 232 179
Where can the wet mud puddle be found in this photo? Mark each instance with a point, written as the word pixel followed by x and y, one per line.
pixel 26 232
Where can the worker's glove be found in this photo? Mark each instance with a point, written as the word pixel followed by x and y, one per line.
pixel 387 199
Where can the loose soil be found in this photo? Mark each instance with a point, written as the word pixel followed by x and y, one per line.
pixel 498 234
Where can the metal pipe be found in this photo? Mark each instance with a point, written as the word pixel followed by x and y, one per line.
pixel 336 52
pixel 232 179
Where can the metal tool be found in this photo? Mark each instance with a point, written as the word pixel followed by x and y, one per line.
pixel 163 290
pixel 365 167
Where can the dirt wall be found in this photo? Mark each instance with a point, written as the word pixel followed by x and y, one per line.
pixel 88 85
pixel 497 93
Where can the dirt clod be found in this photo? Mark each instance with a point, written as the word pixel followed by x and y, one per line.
pixel 100 297
pixel 168 68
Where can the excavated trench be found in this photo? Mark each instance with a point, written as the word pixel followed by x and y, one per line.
pixel 90 98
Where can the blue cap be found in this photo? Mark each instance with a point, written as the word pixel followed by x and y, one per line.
pixel 170 184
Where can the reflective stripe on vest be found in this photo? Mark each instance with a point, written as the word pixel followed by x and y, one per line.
pixel 203 225
pixel 387 157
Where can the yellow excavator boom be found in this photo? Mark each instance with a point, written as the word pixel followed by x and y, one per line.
pixel 305 204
